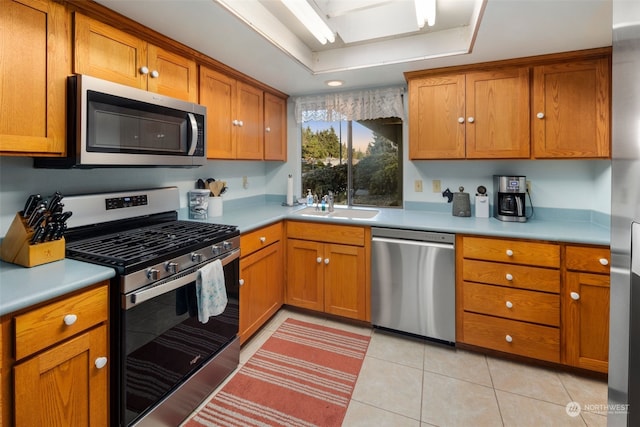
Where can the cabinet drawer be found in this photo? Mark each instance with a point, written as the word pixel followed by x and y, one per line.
pixel 536 341
pixel 44 326
pixel 258 239
pixel 341 234
pixel 512 251
pixel 516 304
pixel 594 260
pixel 516 276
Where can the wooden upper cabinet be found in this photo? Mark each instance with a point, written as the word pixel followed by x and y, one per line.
pixel 235 121
pixel 217 93
pixel 35 47
pixel 437 117
pixel 480 115
pixel 571 109
pixel 108 53
pixel 275 127
pixel 249 124
pixel 497 109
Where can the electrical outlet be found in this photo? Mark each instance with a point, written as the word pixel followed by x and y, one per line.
pixel 417 186
pixel 528 186
pixel 436 186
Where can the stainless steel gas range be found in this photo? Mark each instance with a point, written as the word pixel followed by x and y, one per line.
pixel 164 361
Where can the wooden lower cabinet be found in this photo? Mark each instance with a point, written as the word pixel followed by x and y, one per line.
pixel 261 278
pixel 508 296
pixel 329 277
pixel 59 364
pixel 586 308
pixel 64 386
pixel 542 300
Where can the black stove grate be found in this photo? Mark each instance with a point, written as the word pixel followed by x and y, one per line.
pixel 150 243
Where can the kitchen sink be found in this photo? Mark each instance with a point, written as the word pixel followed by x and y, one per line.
pixel 339 212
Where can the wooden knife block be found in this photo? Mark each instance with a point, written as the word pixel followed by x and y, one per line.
pixel 16 247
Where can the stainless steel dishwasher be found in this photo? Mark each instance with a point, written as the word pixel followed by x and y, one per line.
pixel 413 282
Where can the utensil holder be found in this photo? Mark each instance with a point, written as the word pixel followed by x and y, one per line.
pixel 215 206
pixel 17 249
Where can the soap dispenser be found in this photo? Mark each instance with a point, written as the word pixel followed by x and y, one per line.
pixel 309 197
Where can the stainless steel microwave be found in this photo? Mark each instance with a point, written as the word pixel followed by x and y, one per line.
pixel 112 125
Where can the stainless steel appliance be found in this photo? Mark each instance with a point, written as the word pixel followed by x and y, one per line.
pixel 413 282
pixel 115 125
pixel 164 361
pixel 509 198
pixel 624 325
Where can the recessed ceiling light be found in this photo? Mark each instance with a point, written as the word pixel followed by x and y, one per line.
pixel 334 83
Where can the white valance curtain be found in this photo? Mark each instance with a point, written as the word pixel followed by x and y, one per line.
pixel 355 105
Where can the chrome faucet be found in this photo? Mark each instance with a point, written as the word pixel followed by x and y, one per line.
pixel 330 201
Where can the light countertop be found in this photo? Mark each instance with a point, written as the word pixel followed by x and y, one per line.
pixel 21 287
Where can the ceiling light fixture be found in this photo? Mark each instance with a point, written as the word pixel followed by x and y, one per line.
pixel 310 19
pixel 425 12
pixel 334 83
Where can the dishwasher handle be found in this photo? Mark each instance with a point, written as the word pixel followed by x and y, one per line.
pixel 413 242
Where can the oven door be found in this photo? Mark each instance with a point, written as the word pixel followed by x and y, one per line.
pixel 162 342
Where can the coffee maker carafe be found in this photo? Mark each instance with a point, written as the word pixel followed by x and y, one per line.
pixel 509 198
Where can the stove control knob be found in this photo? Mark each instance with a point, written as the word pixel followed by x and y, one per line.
pixel 227 245
pixel 152 273
pixel 216 250
pixel 171 267
pixel 196 257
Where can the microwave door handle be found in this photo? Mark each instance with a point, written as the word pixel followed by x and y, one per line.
pixel 194 134
pixel 147 294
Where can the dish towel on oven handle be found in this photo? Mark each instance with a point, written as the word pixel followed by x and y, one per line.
pixel 211 292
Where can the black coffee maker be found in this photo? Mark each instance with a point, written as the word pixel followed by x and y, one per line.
pixel 509 198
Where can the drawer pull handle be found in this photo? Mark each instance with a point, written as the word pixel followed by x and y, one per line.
pixel 241 282
pixel 101 362
pixel 509 304
pixel 263 239
pixel 509 252
pixel 319 260
pixel 70 319
pixel 508 338
pixel 509 276
pixel 575 296
pixel 326 260
pixel 604 261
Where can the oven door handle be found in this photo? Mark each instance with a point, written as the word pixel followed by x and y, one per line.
pixel 147 294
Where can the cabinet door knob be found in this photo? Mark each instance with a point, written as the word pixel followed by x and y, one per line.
pixel 540 115
pixel 234 122
pixel 471 120
pixel 604 261
pixel 460 120
pixel 326 260
pixel 509 276
pixel 263 239
pixel 70 319
pixel 101 362
pixel 575 296
pixel 267 129
pixel 144 70
pixel 509 304
pixel 319 260
pixel 509 252
pixel 508 338
pixel 241 282
pixel 155 74
pixel 240 123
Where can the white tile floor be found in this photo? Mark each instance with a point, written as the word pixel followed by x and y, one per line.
pixel 407 382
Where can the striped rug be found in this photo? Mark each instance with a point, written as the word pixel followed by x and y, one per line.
pixel 303 375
